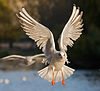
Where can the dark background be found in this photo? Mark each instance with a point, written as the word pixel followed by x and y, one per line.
pixel 54 14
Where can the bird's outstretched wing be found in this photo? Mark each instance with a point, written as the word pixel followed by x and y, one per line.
pixel 27 60
pixel 36 31
pixel 72 30
pixel 18 59
pixel 22 62
pixel 13 57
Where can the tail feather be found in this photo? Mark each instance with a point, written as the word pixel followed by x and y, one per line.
pixel 42 74
pixel 46 73
pixel 48 76
pixel 67 71
pixel 58 76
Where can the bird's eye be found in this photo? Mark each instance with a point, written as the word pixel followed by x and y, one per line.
pixel 59 54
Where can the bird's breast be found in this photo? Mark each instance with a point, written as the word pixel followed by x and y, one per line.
pixel 57 64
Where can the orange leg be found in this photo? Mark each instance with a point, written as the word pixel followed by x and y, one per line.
pixel 63 82
pixel 53 83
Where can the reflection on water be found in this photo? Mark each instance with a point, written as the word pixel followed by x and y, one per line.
pixel 7 81
pixel 1 80
pixel 81 80
pixel 24 78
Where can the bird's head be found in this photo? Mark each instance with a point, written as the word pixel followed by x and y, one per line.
pixel 29 60
pixel 62 55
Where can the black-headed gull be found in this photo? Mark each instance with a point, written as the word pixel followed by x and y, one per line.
pixel 56 70
pixel 25 60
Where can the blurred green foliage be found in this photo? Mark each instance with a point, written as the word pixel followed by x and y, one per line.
pixel 8 26
pixel 54 14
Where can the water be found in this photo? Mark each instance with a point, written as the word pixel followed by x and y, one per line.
pixel 81 80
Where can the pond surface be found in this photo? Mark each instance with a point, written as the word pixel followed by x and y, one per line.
pixel 81 80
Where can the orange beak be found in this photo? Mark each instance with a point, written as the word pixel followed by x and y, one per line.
pixel 61 57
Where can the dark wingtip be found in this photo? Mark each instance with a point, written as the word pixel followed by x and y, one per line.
pixel 22 7
pixel 18 10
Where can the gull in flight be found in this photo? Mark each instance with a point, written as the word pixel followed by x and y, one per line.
pixel 56 70
pixel 25 60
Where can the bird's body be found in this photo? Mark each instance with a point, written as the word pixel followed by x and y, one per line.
pixel 56 70
pixel 56 61
pixel 26 60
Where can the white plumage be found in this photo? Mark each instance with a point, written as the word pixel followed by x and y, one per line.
pixel 72 29
pixel 56 70
pixel 26 60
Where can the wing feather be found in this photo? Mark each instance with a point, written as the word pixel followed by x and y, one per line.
pixel 26 60
pixel 72 30
pixel 36 31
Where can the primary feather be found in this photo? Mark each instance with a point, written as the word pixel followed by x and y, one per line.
pixel 27 60
pixel 72 30
pixel 36 31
